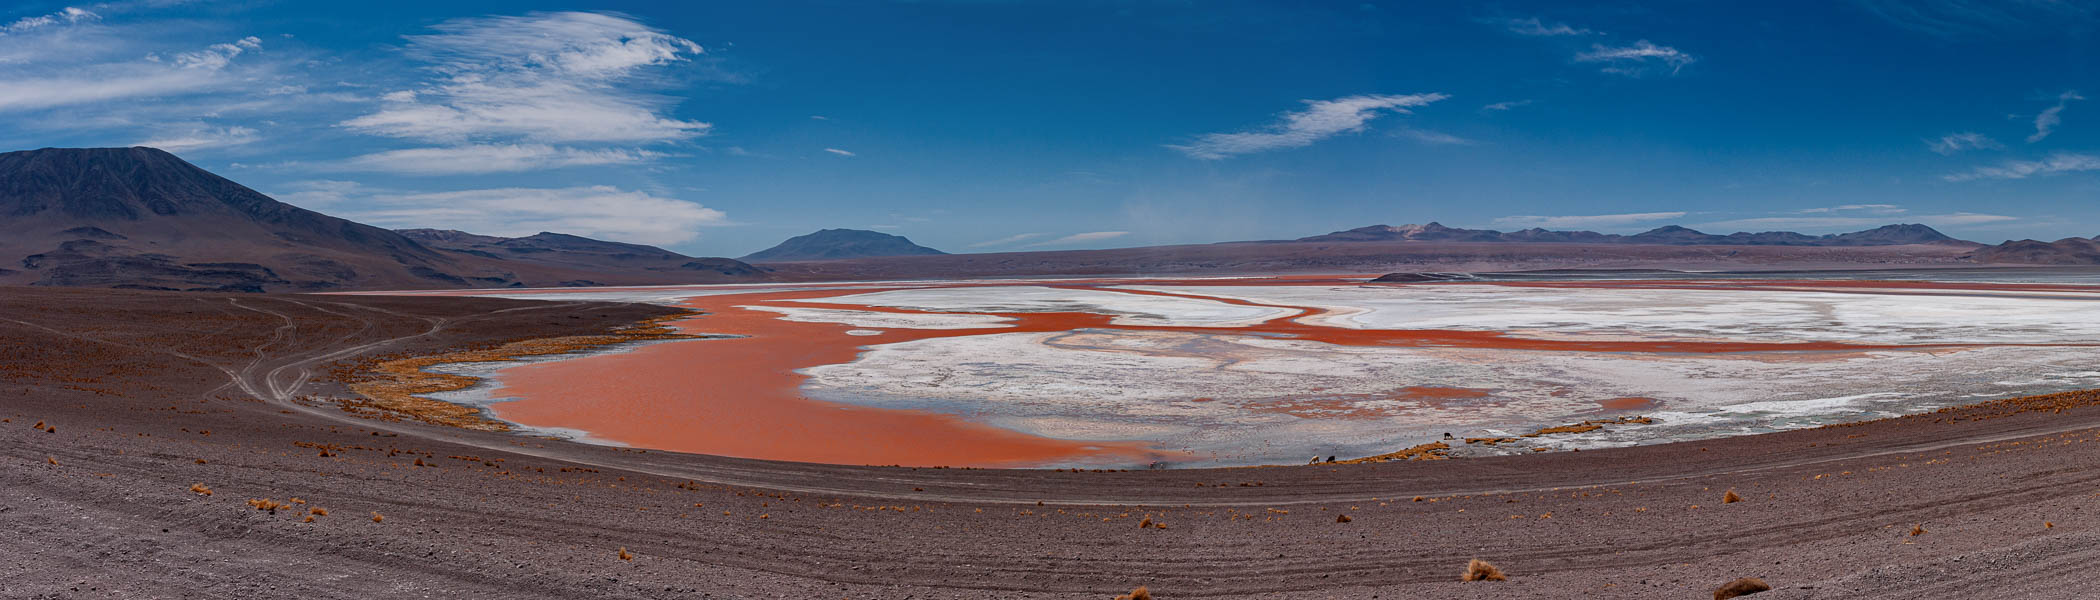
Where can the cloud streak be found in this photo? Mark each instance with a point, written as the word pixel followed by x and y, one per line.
pixel 2046 122
pixel 1534 27
pixel 2055 164
pixel 1955 143
pixel 611 213
pixel 1080 238
pixel 544 77
pixel 1008 240
pixel 1636 59
pixel 1586 221
pixel 1320 120
pixel 490 158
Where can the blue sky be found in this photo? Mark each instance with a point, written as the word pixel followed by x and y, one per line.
pixel 721 128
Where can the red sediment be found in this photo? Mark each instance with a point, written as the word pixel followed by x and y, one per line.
pixel 1618 404
pixel 741 396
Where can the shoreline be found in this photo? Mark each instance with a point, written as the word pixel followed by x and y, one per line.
pixel 394 388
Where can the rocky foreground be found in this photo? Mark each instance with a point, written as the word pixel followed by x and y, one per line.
pixel 159 445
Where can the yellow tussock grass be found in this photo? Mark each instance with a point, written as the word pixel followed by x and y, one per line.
pixel 1731 498
pixel 1480 570
pixel 198 488
pixel 1137 594
pixel 1741 587
pixel 625 555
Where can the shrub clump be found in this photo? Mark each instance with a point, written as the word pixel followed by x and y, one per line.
pixel 1480 570
pixel 1137 594
pixel 1741 587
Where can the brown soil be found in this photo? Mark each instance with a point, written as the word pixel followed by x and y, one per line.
pixel 144 396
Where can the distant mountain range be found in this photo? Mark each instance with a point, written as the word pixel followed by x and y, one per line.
pixel 1671 235
pixel 142 218
pixel 2067 251
pixel 834 244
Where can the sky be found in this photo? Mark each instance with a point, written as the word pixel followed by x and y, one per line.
pixel 717 128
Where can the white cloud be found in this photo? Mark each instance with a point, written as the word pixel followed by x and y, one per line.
pixel 70 15
pixel 1533 27
pixel 1434 138
pixel 65 82
pixel 2061 162
pixel 1585 221
pixel 839 152
pixel 2046 122
pixel 1321 119
pixel 602 212
pixel 1956 142
pixel 544 77
pixel 491 158
pixel 1080 238
pixel 1831 223
pixel 1636 59
pixel 1011 239
pixel 1506 105
pixel 1877 209
pixel 216 56
pixel 201 136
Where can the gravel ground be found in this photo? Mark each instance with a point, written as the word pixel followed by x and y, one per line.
pixel 152 393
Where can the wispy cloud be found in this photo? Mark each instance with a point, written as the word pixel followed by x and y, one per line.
pixel 1955 143
pixel 64 81
pixel 1639 58
pixel 1433 138
pixel 490 158
pixel 1008 240
pixel 1586 221
pixel 2061 162
pixel 2046 122
pixel 201 136
pixel 1320 120
pixel 69 16
pixel 1534 27
pixel 614 214
pixel 1080 238
pixel 1825 223
pixel 544 77
pixel 839 152
pixel 1876 209
pixel 1505 105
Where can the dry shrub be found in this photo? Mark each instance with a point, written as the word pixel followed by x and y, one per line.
pixel 376 517
pixel 51 459
pixel 1731 498
pixel 309 518
pixel 419 462
pixel 1918 529
pixel 1145 523
pixel 267 504
pixel 625 555
pixel 198 488
pixel 1480 570
pixel 1342 518
pixel 1137 594
pixel 1418 498
pixel 318 511
pixel 38 425
pixel 1741 587
pixel 2048 525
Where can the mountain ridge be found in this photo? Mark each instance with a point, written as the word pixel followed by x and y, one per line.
pixel 1672 235
pixel 141 217
pixel 834 244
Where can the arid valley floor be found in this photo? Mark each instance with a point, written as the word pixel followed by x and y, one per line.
pixel 147 400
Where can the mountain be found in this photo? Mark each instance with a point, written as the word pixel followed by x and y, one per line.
pixel 1668 235
pixel 2067 251
pixel 832 244
pixel 576 252
pixel 143 218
